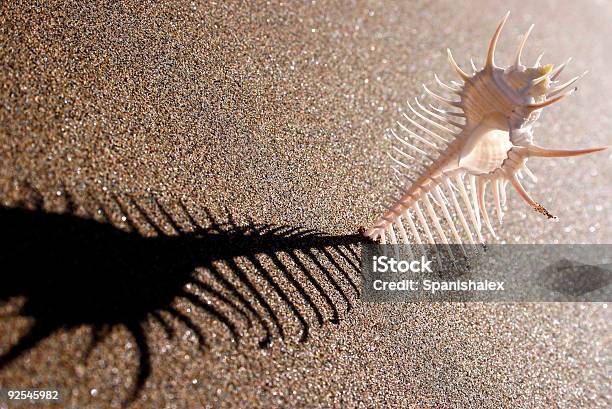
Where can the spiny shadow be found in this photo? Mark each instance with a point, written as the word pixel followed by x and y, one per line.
pixel 73 271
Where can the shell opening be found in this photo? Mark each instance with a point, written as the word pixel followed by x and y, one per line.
pixel 487 147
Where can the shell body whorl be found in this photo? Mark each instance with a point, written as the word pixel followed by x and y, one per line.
pixel 485 134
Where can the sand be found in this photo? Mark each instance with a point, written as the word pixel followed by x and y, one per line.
pixel 272 114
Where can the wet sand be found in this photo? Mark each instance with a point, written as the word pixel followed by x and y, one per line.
pixel 270 114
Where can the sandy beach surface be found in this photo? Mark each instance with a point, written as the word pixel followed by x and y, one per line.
pixel 181 185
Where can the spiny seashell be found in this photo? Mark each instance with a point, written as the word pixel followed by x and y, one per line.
pixel 487 135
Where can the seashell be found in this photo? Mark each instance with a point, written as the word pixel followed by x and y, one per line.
pixel 484 137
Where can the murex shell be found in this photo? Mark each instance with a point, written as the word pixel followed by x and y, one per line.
pixel 487 135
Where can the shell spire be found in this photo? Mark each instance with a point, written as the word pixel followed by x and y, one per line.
pixel 483 137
